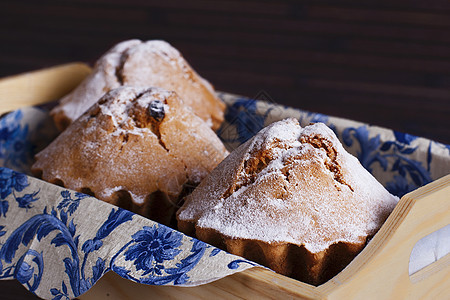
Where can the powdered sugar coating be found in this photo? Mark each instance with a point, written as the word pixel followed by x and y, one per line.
pixel 117 148
pixel 291 185
pixel 162 49
pixel 119 110
pixel 152 63
pixel 101 80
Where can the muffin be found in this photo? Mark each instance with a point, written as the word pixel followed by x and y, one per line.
pixel 138 148
pixel 136 63
pixel 291 199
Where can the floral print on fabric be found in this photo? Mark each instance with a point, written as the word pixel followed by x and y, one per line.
pixel 15 151
pixel 151 247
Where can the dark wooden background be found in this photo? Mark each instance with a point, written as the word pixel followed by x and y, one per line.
pixel 385 62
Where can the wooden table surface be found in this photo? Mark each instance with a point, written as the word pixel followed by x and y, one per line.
pixel 384 62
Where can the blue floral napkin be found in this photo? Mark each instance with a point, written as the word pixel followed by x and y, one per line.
pixel 58 242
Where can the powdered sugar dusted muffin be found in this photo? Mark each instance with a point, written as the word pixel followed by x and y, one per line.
pixel 136 63
pixel 137 148
pixel 290 198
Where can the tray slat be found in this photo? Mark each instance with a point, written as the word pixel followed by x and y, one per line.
pixel 40 86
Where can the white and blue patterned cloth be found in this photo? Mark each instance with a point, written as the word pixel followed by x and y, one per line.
pixel 58 242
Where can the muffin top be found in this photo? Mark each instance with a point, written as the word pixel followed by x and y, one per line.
pixel 290 185
pixel 137 63
pixel 137 140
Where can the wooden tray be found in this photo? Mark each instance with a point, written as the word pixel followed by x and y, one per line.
pixel 380 271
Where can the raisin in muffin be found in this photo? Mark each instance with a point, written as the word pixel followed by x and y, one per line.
pixel 290 198
pixel 136 63
pixel 137 148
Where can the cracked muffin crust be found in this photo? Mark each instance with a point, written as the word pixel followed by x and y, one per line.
pixel 153 63
pixel 290 198
pixel 137 148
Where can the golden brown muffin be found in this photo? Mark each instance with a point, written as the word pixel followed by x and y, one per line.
pixel 137 148
pixel 291 199
pixel 136 63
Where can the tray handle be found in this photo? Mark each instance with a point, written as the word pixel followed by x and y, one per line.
pixel 40 86
pixel 381 270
